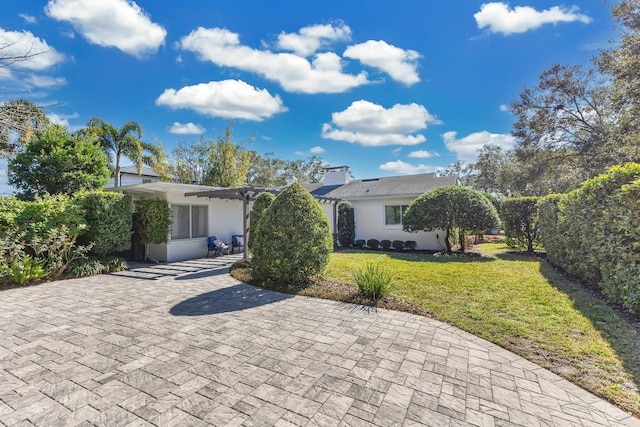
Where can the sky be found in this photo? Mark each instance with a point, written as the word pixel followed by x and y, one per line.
pixel 386 88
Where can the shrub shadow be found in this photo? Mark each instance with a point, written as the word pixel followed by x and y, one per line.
pixel 426 256
pixel 234 298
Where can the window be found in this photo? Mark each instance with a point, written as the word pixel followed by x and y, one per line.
pixel 188 221
pixel 393 214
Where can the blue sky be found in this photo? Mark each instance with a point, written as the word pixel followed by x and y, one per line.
pixel 386 88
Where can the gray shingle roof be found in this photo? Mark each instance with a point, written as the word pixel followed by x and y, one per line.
pixel 390 186
pixel 132 169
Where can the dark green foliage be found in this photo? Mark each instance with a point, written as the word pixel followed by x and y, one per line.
pixel 373 243
pixel 398 245
pixel 520 221
pixel 411 244
pixel 260 205
pixel 297 243
pixel 58 163
pixel 385 244
pixel 151 222
pixel 359 243
pixel 594 233
pixel 109 219
pixel 457 210
pixel 93 266
pixel 346 224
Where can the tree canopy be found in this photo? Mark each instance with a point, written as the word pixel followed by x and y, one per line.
pixel 58 163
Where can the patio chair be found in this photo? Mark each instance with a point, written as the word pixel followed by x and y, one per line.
pixel 216 246
pixel 237 241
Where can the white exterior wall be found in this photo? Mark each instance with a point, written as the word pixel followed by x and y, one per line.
pixel 369 216
pixel 129 179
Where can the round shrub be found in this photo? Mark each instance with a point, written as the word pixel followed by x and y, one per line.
pixel 297 243
pixel 373 243
pixel 398 245
pixel 359 243
pixel 385 244
pixel 262 202
pixel 411 244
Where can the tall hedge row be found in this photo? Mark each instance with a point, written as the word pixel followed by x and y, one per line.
pixel 520 221
pixel 593 233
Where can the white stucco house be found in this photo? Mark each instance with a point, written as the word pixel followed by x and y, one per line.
pixel 202 211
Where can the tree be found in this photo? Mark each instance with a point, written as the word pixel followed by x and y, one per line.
pixel 458 211
pixel 122 142
pixel 271 171
pixel 260 205
pixel 520 219
pixel 297 243
pixel 346 224
pixel 20 120
pixel 151 222
pixel 58 163
pixel 227 163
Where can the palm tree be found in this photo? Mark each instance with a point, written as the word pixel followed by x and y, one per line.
pixel 20 119
pixel 123 142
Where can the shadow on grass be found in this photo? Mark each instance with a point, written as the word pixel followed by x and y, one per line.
pixel 225 300
pixel 425 256
pixel 619 328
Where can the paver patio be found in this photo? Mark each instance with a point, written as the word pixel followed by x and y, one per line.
pixel 186 344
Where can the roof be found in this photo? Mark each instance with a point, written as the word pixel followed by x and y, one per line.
pixel 390 186
pixel 133 170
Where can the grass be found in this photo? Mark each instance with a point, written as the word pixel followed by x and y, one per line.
pixel 516 301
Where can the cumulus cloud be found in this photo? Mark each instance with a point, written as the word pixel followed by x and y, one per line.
pixel 29 19
pixel 62 119
pixel 370 124
pixel 45 81
pixel 498 17
pixel 186 129
pixel 309 39
pixel 293 72
pixel 17 43
pixel 423 154
pixel 314 151
pixel 466 148
pixel 400 64
pixel 403 168
pixel 230 99
pixel 110 23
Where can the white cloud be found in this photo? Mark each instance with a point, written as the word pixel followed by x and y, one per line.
pixel 230 99
pixel 317 150
pixel 499 18
pixel 309 39
pixel 110 23
pixel 17 43
pixel 402 168
pixel 62 119
pixel 186 129
pixel 505 108
pixel 45 81
pixel 423 154
pixel 466 148
pixel 370 124
pixel 28 18
pixel 294 73
pixel 396 151
pixel 400 64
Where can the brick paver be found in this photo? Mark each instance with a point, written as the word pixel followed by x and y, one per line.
pixel 185 344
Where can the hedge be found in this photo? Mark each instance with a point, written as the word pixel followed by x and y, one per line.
pixel 519 217
pixel 593 233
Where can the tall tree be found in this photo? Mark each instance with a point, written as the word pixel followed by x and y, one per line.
pixel 125 141
pixel 20 120
pixel 58 163
pixel 227 164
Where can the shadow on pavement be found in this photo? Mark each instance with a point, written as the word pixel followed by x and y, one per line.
pixel 233 298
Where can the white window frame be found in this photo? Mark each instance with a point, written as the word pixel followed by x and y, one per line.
pixel 191 222
pixel 403 208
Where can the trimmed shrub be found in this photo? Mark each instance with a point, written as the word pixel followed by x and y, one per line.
pixel 109 220
pixel 359 243
pixel 520 221
pixel 373 244
pixel 373 281
pixel 385 244
pixel 262 202
pixel 411 244
pixel 297 243
pixel 346 224
pixel 398 245
pixel 152 222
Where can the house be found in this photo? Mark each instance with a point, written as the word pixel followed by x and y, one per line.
pixel 129 176
pixel 201 211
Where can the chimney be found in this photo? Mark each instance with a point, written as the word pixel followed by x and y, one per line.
pixel 336 175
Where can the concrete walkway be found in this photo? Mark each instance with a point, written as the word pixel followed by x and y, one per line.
pixel 186 344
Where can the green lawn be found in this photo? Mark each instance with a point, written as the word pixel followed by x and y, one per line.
pixel 520 303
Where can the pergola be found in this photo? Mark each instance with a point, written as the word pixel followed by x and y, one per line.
pixel 248 194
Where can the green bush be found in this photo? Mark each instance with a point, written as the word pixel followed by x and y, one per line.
pixel 359 243
pixel 520 220
pixel 593 233
pixel 109 220
pixel 87 267
pixel 385 244
pixel 262 202
pixel 398 245
pixel 115 264
pixel 373 281
pixel 25 270
pixel 297 243
pixel 346 224
pixel 411 244
pixel 373 244
pixel 152 222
